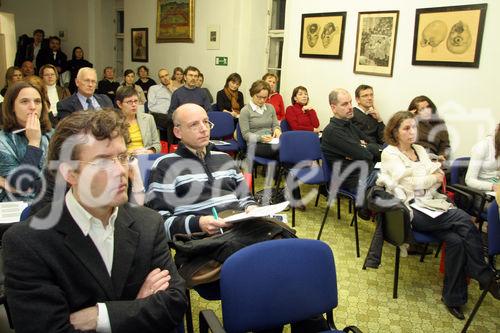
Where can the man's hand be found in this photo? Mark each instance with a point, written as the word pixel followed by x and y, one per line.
pixel 374 113
pixel 212 226
pixel 85 319
pixel 156 280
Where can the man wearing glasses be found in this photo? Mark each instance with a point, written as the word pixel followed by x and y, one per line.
pixel 84 98
pixel 185 186
pixel 99 264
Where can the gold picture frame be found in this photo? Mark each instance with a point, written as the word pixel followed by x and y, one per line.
pixel 139 44
pixel 322 35
pixel 175 21
pixel 376 42
pixel 449 36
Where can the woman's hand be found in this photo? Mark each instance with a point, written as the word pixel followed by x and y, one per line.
pixel 266 138
pixel 306 108
pixel 441 158
pixel 33 130
pixel 316 130
pixel 276 133
pixel 439 174
pixel 137 186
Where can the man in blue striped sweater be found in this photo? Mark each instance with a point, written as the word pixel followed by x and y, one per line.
pixel 187 184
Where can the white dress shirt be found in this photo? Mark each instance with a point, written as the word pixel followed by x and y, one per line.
pixel 159 98
pixel 258 109
pixel 103 238
pixel 53 98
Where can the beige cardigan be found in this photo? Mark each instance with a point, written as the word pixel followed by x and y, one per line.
pixel 404 178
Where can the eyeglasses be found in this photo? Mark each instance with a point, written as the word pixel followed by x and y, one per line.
pixel 132 102
pixel 90 82
pixel 109 162
pixel 198 126
pixel 260 97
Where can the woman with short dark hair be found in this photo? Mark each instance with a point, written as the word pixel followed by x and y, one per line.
pixel 144 81
pixel 77 61
pixel 432 131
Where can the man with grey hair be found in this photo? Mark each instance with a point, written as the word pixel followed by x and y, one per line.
pixel 84 98
pixel 344 143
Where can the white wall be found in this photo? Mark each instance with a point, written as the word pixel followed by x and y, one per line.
pixel 7 43
pixel 243 40
pixel 88 24
pixel 467 98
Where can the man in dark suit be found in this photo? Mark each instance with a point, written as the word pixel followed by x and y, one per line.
pixel 84 98
pixel 53 55
pixel 366 116
pixel 92 262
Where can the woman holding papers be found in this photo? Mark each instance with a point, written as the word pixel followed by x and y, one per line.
pixel 24 139
pixel 408 173
pixel 258 122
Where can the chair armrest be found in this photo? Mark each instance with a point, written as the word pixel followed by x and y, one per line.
pixel 463 199
pixel 209 321
pixel 352 329
pixel 481 195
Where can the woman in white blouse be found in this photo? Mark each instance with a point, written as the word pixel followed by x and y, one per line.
pixel 408 173
pixel 483 172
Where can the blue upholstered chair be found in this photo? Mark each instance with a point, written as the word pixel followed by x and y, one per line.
pixel 273 283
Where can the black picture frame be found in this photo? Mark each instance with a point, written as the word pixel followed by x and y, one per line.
pixel 376 42
pixel 139 44
pixel 322 35
pixel 449 36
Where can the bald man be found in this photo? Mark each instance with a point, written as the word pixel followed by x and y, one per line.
pixel 185 185
pixel 344 143
pixel 84 98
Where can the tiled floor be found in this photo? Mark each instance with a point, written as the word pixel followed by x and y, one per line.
pixel 365 296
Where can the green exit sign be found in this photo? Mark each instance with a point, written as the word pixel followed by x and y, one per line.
pixel 220 61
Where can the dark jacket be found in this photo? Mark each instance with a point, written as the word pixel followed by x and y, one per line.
pixel 72 104
pixel 51 273
pixel 369 125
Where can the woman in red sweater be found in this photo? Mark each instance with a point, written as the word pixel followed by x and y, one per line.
pixel 275 98
pixel 299 116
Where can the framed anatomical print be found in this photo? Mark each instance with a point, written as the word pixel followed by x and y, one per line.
pixel 322 35
pixel 449 36
pixel 376 42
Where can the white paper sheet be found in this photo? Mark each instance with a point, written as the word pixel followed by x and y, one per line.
pixel 219 142
pixel 11 211
pixel 258 212
pixel 426 211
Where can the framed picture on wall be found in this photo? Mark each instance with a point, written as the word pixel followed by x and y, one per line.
pixel 449 36
pixel 139 41
pixel 175 21
pixel 322 35
pixel 376 42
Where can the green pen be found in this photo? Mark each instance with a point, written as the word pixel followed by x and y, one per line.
pixel 216 216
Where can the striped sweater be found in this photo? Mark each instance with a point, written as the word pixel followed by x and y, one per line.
pixel 183 188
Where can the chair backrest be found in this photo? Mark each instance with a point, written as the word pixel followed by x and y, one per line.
pixel 215 107
pixel 493 229
pixel 285 127
pixel 277 282
pixel 458 170
pixel 146 162
pixel 223 124
pixel 297 146
pixel 239 138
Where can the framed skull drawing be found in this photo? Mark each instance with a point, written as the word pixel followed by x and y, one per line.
pixel 322 35
pixel 376 42
pixel 449 36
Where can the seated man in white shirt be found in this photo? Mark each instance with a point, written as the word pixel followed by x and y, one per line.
pixel 92 262
pixel 159 97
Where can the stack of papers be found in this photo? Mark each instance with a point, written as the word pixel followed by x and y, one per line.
pixel 258 212
pixel 10 212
